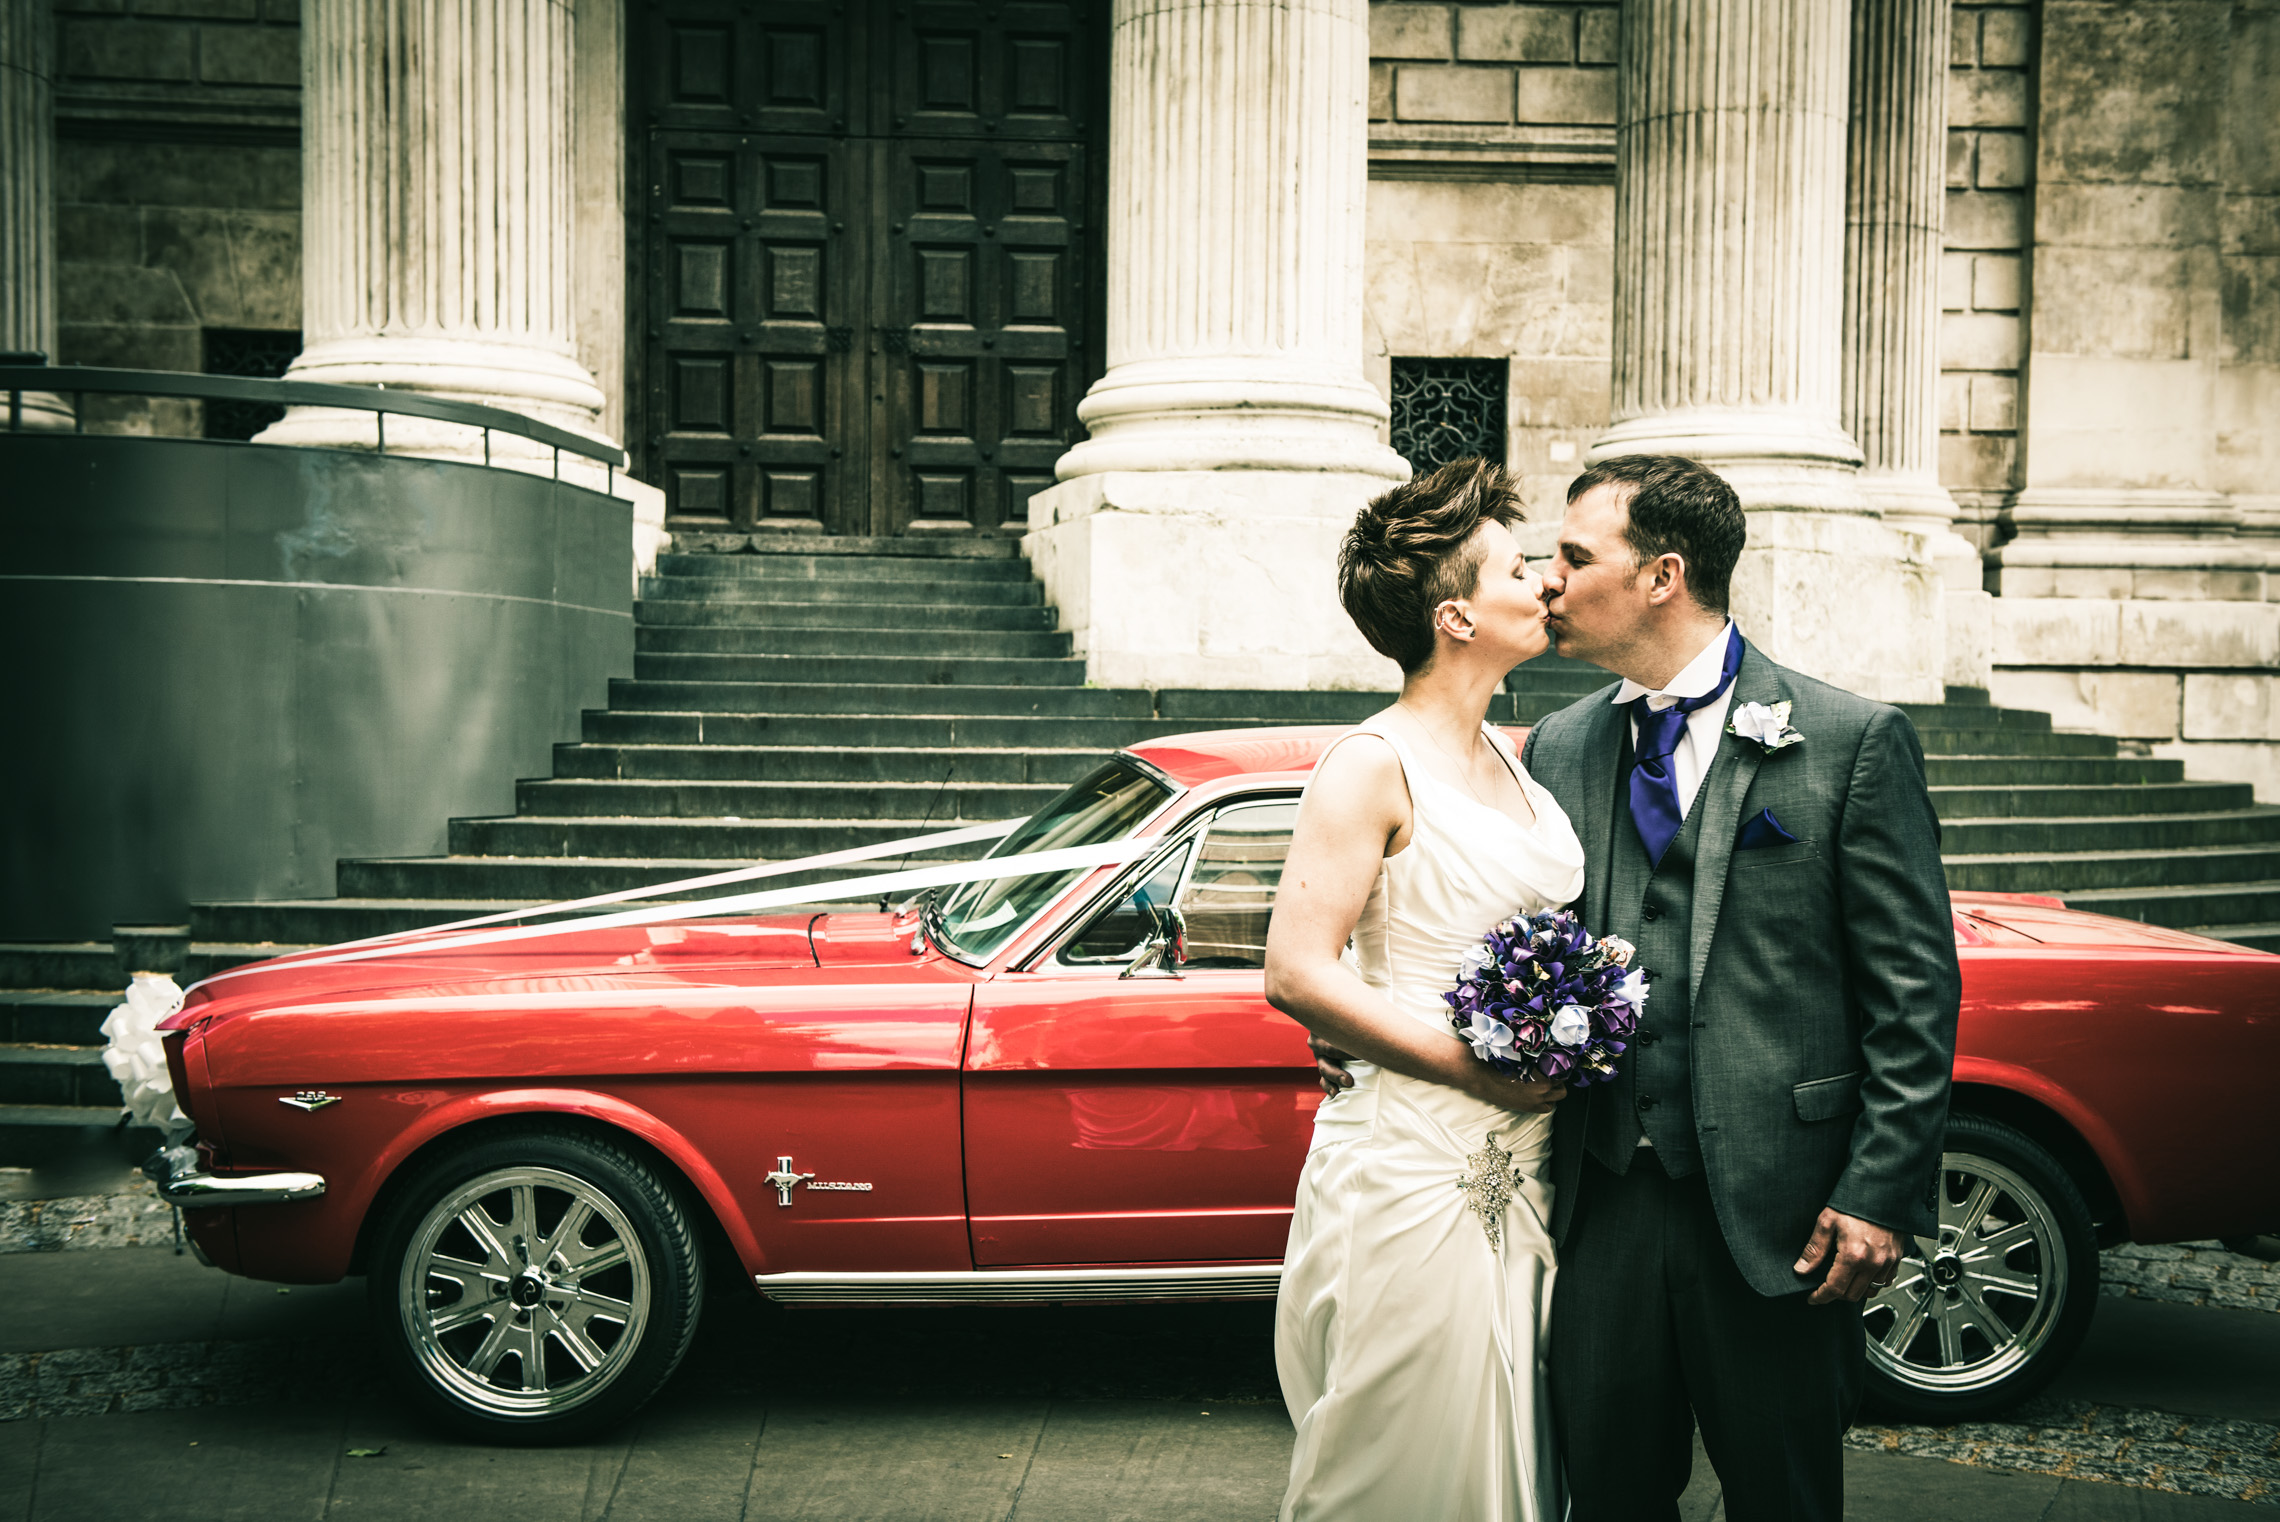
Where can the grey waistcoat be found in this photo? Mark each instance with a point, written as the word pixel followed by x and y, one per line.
pixel 1655 1086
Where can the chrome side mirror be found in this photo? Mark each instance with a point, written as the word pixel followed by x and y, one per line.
pixel 1164 952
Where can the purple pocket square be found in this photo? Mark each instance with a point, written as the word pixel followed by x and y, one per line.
pixel 1761 831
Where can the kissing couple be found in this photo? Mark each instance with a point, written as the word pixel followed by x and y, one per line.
pixel 1686 1245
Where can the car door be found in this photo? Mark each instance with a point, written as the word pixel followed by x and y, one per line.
pixel 1150 1115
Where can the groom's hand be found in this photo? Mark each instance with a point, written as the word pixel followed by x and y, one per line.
pixel 1861 1257
pixel 1330 1066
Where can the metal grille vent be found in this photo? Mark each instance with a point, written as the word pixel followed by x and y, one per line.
pixel 260 353
pixel 1446 409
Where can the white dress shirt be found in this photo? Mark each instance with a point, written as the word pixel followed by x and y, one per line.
pixel 1698 742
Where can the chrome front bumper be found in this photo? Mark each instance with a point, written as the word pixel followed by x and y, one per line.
pixel 182 1182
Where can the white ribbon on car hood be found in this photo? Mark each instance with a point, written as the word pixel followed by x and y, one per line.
pixel 874 885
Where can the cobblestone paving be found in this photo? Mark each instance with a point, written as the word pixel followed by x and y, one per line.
pixel 176 1375
pixel 2155 1450
pixel 2195 1273
pixel 132 1217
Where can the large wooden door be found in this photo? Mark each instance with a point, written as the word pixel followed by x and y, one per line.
pixel 870 269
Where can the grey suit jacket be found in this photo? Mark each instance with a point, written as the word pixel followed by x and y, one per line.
pixel 1824 977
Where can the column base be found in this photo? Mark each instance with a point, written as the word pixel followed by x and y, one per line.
pixel 40 412
pixel 1224 579
pixel 540 383
pixel 1777 460
pixel 1843 598
pixel 1242 413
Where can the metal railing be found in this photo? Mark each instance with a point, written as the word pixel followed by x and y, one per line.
pixel 78 382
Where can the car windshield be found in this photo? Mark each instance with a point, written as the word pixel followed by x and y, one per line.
pixel 976 919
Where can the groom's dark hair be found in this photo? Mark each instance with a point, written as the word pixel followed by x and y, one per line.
pixel 1411 551
pixel 1678 507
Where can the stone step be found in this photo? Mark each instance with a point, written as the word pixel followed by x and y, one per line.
pixel 324 921
pixel 724 841
pixel 61 964
pixel 860 670
pixel 698 611
pixel 902 644
pixel 54 1117
pixel 695 537
pixel 789 802
pixel 550 879
pixel 2087 801
pixel 56 1076
pixel 868 593
pixel 47 1017
pixel 1972 716
pixel 2016 742
pixel 784 763
pixel 903 731
pixel 2234 900
pixel 1996 835
pixel 855 568
pixel 865 698
pixel 2049 771
pixel 2265 937
pixel 2071 874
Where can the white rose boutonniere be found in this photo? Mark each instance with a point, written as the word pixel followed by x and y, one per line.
pixel 1763 726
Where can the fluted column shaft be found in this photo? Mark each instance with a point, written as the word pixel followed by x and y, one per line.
pixel 1729 243
pixel 437 204
pixel 1238 163
pixel 1894 202
pixel 27 196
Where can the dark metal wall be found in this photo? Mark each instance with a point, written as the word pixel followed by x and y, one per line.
pixel 230 664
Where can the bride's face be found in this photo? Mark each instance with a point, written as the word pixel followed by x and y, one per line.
pixel 1507 607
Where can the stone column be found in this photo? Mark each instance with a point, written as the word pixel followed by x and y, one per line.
pixel 1729 285
pixel 438 217
pixel 27 198
pixel 1192 541
pixel 1895 194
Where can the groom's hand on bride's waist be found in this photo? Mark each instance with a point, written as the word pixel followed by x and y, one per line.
pixel 1330 1066
pixel 1857 1257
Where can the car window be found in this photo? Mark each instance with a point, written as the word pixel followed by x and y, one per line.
pixel 1231 892
pixel 1108 805
pixel 1223 883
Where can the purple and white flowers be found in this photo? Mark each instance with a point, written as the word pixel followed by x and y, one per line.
pixel 1543 999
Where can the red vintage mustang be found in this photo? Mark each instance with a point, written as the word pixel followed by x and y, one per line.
pixel 1061 1087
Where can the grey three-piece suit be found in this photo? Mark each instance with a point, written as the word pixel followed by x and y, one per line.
pixel 1795 1053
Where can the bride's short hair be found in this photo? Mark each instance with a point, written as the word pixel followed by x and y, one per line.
pixel 1411 550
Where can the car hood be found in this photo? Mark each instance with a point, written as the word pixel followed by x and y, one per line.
pixel 2048 922
pixel 620 957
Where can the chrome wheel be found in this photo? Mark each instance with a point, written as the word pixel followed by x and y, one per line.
pixel 1983 1314
pixel 524 1292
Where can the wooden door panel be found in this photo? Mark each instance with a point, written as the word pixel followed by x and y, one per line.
pixel 863 291
pixel 983 336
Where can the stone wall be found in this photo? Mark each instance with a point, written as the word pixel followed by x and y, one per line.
pixel 1990 173
pixel 178 174
pixel 1491 212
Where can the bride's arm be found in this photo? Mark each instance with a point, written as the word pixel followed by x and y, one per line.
pixel 1355 809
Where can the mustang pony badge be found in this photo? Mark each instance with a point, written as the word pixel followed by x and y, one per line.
pixel 786 1178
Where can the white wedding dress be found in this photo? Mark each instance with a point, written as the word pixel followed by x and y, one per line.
pixel 1409 1343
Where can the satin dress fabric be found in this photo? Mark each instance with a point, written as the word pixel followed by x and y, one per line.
pixel 1410 1349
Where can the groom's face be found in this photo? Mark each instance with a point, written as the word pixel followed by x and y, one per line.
pixel 1593 594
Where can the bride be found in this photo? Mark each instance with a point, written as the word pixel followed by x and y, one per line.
pixel 1409 1328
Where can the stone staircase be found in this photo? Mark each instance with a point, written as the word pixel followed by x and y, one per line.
pixel 835 693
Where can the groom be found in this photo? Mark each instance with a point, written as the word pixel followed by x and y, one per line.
pixel 1722 1208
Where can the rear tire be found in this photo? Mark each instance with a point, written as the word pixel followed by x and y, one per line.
pixel 535 1286
pixel 1982 1316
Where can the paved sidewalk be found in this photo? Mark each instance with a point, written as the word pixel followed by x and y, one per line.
pixel 1092 1413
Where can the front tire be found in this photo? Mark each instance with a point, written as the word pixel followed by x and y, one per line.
pixel 535 1286
pixel 1982 1316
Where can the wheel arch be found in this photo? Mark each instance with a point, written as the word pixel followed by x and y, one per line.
pixel 1983 1095
pixel 727 1233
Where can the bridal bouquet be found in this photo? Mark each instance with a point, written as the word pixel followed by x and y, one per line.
pixel 1543 999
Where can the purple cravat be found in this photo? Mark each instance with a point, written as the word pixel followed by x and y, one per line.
pixel 1654 787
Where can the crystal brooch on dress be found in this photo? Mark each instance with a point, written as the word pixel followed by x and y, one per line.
pixel 1489 1184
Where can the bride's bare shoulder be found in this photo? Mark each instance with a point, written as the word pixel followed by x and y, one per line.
pixel 1360 772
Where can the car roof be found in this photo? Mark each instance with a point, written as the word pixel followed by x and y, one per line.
pixel 1208 755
